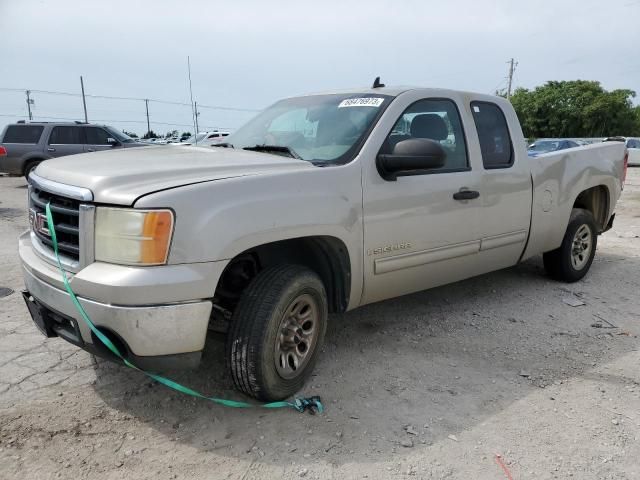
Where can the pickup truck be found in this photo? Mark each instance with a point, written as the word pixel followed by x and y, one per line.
pixel 320 204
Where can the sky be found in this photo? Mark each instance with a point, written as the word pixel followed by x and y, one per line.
pixel 246 54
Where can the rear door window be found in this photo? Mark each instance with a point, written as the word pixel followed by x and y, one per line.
pixel 23 134
pixel 97 136
pixel 66 136
pixel 493 134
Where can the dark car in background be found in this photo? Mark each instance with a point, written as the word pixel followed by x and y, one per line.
pixel 24 145
pixel 553 145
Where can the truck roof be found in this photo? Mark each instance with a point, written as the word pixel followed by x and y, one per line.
pixel 394 91
pixel 391 91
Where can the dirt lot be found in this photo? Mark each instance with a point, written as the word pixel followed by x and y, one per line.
pixel 432 385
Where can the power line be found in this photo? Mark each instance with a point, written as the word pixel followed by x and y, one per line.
pixel 108 97
pixel 495 89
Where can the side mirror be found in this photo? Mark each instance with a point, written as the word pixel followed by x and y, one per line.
pixel 411 156
pixel 112 141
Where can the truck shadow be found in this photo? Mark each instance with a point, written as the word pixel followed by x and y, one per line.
pixel 415 369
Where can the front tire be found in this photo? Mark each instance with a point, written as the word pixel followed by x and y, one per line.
pixel 276 332
pixel 31 166
pixel 572 260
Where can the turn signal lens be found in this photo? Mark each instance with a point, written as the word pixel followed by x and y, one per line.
pixel 133 237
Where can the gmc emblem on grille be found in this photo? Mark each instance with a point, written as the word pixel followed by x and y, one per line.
pixel 38 222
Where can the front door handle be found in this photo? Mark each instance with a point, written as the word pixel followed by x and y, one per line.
pixel 51 149
pixel 466 195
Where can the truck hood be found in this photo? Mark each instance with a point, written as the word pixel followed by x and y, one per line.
pixel 124 175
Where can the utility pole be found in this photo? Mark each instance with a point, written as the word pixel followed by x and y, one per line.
pixel 197 113
pixel 512 68
pixel 29 103
pixel 193 110
pixel 146 104
pixel 84 102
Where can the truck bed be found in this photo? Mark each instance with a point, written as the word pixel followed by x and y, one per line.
pixel 558 177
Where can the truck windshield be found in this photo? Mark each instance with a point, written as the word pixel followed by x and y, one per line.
pixel 323 129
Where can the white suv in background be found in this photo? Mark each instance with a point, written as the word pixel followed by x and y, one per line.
pixel 206 138
pixel 633 147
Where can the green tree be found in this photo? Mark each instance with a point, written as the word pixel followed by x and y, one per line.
pixel 150 134
pixel 577 108
pixel 131 134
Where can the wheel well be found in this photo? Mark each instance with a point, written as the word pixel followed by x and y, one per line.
pixel 596 200
pixel 327 256
pixel 29 162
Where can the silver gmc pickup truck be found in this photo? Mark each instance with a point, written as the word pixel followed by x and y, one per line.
pixel 320 204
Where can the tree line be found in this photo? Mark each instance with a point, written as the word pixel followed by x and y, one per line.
pixel 577 108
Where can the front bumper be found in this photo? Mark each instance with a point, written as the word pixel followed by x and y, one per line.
pixel 161 312
pixel 55 324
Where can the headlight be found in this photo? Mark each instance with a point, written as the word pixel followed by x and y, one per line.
pixel 133 237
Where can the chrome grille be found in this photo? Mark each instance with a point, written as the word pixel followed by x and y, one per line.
pixel 66 217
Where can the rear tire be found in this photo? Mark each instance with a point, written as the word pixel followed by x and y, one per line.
pixel 30 167
pixel 572 260
pixel 276 332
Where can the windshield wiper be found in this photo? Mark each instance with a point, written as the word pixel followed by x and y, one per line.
pixel 274 149
pixel 223 144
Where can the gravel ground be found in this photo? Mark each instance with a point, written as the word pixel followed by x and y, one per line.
pixel 431 385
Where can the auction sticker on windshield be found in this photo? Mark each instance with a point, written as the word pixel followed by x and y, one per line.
pixel 361 102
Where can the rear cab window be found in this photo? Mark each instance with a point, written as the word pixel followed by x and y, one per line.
pixel 23 134
pixel 493 133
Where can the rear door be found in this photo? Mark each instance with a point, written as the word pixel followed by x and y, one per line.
pixel 96 138
pixel 506 185
pixel 65 140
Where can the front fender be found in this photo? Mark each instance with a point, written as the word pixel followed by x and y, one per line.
pixel 218 220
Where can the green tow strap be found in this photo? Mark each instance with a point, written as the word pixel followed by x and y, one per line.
pixel 300 404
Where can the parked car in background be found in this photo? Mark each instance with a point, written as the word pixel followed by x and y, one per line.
pixel 214 139
pixel 545 146
pixel 23 146
pixel 206 138
pixel 633 146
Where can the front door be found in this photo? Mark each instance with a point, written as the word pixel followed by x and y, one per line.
pixel 419 231
pixel 97 139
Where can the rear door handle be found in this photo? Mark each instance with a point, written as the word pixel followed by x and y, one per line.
pixel 51 149
pixel 466 195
